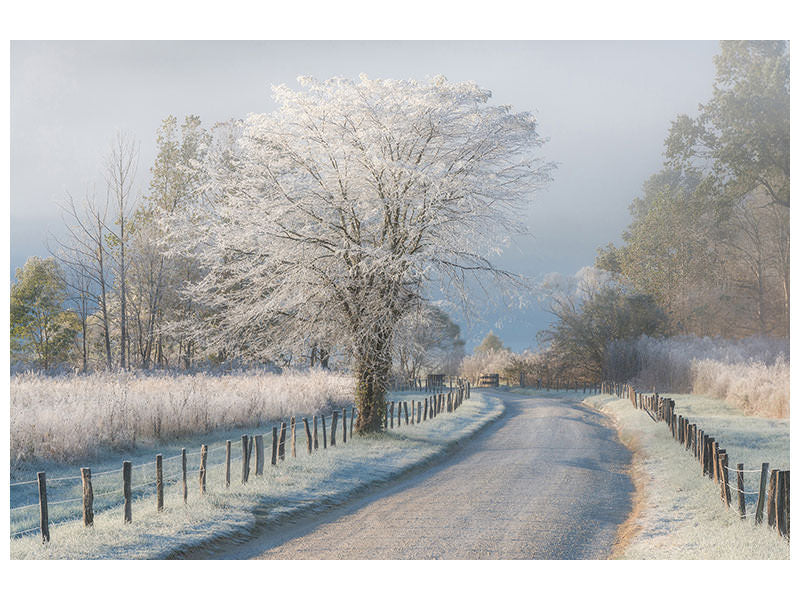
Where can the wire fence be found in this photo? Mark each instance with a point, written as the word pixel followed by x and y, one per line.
pixel 772 493
pixel 99 492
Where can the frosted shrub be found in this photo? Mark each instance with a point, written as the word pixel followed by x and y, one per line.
pixel 66 418
pixel 480 363
pixel 756 388
pixel 750 373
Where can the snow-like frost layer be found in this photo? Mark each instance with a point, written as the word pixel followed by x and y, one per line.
pixel 303 483
pixel 682 515
pixel 67 418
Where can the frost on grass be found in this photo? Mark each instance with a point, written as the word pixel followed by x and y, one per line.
pixel 683 516
pixel 751 373
pixel 66 418
pixel 308 482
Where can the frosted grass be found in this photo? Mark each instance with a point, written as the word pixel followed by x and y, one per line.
pixel 73 417
pixel 296 485
pixel 755 388
pixel 750 373
pixel 682 514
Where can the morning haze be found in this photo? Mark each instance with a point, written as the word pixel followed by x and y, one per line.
pixel 606 108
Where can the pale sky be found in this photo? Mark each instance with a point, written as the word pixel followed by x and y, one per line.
pixel 606 107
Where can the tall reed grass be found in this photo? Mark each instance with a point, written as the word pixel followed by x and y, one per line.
pixel 70 417
pixel 751 373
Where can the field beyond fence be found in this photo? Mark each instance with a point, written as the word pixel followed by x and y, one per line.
pixel 70 418
pixel 765 501
pixel 239 460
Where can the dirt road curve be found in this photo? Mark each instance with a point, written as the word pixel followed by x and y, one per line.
pixel 547 480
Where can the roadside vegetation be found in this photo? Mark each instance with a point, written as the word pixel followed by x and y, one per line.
pixel 696 298
pixel 67 418
pixel 678 512
pixel 294 487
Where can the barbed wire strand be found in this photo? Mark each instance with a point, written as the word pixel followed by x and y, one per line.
pixel 746 492
pixel 106 472
pixel 63 478
pixel 735 470
pixel 63 501
pixel 24 482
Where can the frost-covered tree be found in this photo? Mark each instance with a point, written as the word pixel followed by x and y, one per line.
pixel 84 254
pixel 331 218
pixel 155 280
pixel 427 340
pixel 490 343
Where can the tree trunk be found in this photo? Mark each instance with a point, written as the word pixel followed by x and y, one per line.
pixel 372 372
pixel 324 355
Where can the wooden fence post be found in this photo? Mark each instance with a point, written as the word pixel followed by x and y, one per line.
pixel 352 420
pixel 183 469
pixel 786 499
pixel 274 445
pixel 334 420
pixel 309 441
pixel 282 442
pixel 203 459
pixel 391 412
pixel 245 470
pixel 259 439
pixel 710 457
pixel 88 497
pixel 762 490
pixel 159 483
pixel 700 449
pixel 773 480
pixel 780 503
pixel 293 424
pixel 227 463
pixel 405 411
pixel 44 521
pixel 413 412
pixel 706 453
pixel 715 460
pixel 726 490
pixel 126 489
pixel 425 413
pixel 344 425
pixel 740 489
pixel 324 434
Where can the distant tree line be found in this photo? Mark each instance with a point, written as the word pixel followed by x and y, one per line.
pixel 707 251
pixel 709 240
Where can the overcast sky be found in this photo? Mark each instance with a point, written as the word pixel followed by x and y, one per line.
pixel 606 107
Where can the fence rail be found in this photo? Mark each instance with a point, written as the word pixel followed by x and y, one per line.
pixel 125 491
pixel 773 486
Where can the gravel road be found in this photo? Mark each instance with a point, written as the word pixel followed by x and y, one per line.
pixel 547 480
